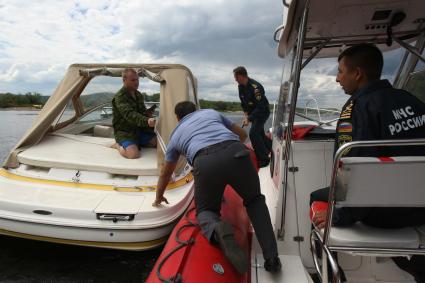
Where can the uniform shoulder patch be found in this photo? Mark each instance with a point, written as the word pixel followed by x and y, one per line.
pixel 345 127
pixel 346 111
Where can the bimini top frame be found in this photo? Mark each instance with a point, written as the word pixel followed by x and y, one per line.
pixel 177 83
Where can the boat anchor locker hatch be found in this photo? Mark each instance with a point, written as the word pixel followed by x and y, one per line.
pixel 119 207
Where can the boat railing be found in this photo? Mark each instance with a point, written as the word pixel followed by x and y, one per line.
pixel 324 238
pixel 306 108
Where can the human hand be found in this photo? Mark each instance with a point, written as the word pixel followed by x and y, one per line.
pixel 151 122
pixel 159 200
pixel 245 121
pixel 319 219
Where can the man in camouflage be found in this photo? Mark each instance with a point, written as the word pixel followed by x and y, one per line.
pixel 133 123
pixel 256 108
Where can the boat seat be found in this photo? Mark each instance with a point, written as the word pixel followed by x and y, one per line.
pixel 374 182
pixel 361 235
pixel 381 182
pixel 377 182
pixel 87 153
pixel 103 131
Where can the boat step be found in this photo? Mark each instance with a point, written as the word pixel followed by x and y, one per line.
pixel 292 271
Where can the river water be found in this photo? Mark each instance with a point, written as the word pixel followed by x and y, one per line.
pixel 31 261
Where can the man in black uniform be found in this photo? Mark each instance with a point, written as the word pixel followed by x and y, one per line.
pixel 256 108
pixel 376 111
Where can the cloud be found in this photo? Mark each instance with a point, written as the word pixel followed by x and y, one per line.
pixel 39 39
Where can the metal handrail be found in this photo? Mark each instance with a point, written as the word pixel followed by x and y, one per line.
pixel 324 241
pixel 339 154
pixel 291 118
pixel 317 107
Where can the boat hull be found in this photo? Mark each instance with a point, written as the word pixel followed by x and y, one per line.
pixel 89 216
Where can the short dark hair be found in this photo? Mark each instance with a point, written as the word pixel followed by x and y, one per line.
pixel 366 57
pixel 240 71
pixel 184 108
pixel 127 71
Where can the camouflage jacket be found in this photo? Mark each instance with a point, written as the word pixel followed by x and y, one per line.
pixel 129 116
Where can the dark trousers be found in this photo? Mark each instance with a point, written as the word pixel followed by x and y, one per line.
pixel 224 164
pixel 384 218
pixel 262 145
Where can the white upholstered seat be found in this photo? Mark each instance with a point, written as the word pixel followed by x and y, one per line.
pixel 87 153
pixel 361 235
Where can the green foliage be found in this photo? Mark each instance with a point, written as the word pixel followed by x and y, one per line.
pixel 220 105
pixel 152 98
pixel 29 99
pixel 32 99
pixel 94 99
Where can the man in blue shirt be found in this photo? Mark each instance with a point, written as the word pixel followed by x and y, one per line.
pixel 213 145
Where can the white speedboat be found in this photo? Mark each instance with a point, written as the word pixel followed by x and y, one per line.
pixel 64 183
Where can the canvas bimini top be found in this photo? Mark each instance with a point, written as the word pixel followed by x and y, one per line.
pixel 335 24
pixel 177 84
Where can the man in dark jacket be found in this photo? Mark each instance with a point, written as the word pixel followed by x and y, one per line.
pixel 256 108
pixel 133 123
pixel 375 111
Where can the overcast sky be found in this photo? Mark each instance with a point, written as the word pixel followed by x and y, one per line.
pixel 39 39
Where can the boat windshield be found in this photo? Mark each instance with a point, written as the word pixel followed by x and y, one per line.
pixel 416 81
pixel 321 97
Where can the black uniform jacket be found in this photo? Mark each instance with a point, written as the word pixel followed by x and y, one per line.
pixel 376 112
pixel 254 101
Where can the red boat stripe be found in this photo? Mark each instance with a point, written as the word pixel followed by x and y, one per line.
pixel 386 159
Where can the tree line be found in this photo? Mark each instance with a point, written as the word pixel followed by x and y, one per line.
pixel 34 99
pixel 29 99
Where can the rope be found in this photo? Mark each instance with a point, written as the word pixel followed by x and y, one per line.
pixel 177 278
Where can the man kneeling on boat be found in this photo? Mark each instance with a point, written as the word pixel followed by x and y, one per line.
pixel 375 111
pixel 213 145
pixel 133 123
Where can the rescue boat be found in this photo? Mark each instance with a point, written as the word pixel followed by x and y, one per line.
pixel 313 34
pixel 64 183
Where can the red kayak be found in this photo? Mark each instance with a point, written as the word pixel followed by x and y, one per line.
pixel 188 257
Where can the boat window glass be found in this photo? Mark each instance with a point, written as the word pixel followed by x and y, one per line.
pixel 416 81
pixel 420 66
pixel 101 114
pixel 284 96
pixel 67 113
pixel 320 97
pixel 416 84
pixel 102 89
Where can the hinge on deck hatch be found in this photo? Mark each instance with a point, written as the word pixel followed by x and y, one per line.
pixel 293 169
pixel 76 178
pixel 298 239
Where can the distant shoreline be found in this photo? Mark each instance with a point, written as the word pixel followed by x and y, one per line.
pixel 20 108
